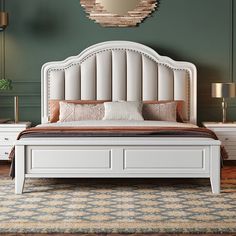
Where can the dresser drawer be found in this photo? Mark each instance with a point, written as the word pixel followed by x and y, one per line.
pixel 8 138
pixel 4 152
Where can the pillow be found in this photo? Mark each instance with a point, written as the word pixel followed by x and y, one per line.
pixel 161 111
pixel 54 107
pixel 123 111
pixel 179 108
pixel 76 112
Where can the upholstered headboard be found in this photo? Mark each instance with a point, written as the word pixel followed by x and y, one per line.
pixel 120 70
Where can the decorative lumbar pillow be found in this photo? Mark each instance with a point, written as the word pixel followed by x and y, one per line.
pixel 77 112
pixel 180 109
pixel 123 111
pixel 54 106
pixel 160 111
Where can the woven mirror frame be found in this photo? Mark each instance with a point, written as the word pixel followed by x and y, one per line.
pixel 95 11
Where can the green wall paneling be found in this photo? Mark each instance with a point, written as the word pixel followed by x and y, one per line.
pixel 199 31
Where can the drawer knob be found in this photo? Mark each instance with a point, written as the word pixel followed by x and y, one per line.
pixel 6 139
pixel 6 153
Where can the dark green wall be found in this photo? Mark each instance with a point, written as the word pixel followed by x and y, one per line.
pixel 199 31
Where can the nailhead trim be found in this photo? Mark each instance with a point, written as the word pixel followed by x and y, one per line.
pixel 116 49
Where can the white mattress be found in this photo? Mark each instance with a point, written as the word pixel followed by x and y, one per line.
pixel 115 123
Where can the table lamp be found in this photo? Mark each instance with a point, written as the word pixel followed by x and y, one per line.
pixel 223 90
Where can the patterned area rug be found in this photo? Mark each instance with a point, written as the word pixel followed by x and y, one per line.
pixel 117 206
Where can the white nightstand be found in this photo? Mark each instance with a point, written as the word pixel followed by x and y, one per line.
pixel 226 132
pixel 8 134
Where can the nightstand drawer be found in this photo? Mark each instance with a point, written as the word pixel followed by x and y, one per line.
pixel 4 152
pixel 8 138
pixel 229 145
pixel 8 134
pixel 231 153
pixel 226 132
pixel 227 138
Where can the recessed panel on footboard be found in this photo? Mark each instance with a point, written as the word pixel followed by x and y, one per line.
pixel 63 159
pixel 177 159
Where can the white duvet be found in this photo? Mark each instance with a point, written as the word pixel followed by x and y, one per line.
pixel 115 123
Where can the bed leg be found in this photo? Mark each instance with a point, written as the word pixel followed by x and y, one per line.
pixel 215 169
pixel 19 169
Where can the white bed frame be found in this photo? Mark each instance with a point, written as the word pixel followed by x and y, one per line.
pixel 118 70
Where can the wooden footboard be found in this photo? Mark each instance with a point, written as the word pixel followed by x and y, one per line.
pixel 120 158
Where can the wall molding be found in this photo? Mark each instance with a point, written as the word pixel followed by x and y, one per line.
pixel 25 82
pixel 20 94
pixel 23 106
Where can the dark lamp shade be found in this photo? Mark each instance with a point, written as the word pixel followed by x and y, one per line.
pixel 4 20
pixel 223 90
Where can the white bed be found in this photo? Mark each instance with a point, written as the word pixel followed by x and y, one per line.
pixel 119 70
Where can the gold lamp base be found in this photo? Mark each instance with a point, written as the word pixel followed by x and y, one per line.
pixel 224 110
pixel 16 109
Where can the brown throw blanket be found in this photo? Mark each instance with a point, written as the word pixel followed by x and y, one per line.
pixel 56 132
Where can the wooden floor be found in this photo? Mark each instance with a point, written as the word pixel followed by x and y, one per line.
pixel 4 169
pixel 228 172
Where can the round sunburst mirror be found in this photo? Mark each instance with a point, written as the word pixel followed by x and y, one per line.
pixel 119 13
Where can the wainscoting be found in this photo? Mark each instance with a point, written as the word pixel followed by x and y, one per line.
pixel 29 101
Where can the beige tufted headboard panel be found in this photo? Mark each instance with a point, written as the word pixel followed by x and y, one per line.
pixel 120 70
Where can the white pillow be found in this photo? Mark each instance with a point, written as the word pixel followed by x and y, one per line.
pixel 123 111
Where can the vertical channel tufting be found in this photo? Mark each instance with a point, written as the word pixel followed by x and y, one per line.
pixel 119 87
pixel 120 71
pixel 134 76
pixel 149 79
pixel 88 79
pixel 165 83
pixel 72 83
pixel 104 72
pixel 57 84
pixel 181 89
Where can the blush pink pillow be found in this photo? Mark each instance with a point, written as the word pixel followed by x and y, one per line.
pixel 163 110
pixel 160 111
pixel 54 106
pixel 77 112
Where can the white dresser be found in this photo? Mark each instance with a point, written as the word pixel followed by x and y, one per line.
pixel 226 132
pixel 8 134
